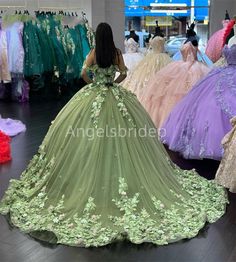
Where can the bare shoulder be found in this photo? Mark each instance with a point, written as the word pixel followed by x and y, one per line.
pixel 91 57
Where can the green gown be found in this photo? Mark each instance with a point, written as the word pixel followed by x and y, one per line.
pixel 33 62
pixel 87 188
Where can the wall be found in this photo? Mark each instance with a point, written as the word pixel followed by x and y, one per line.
pixel 217 13
pixel 112 12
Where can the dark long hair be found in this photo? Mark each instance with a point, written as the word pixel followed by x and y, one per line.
pixel 106 51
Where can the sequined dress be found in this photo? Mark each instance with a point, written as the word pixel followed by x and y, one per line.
pixel 96 180
pixel 199 122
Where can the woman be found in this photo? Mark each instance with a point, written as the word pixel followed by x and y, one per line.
pixel 199 122
pixel 168 86
pixel 91 189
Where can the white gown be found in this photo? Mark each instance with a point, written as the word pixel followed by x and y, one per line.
pixel 132 56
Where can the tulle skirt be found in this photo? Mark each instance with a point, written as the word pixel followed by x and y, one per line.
pixel 197 125
pixel 137 80
pixel 169 86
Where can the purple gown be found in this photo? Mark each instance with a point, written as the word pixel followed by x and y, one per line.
pixel 199 122
pixel 11 127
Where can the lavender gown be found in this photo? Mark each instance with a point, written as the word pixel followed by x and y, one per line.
pixel 199 122
pixel 11 127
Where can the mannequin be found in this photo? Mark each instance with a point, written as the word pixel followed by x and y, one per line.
pixel 232 40
pixel 133 35
pixel 191 36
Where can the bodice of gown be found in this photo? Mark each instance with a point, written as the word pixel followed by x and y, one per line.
pixel 230 54
pixel 103 75
pixel 131 46
pixel 157 44
pixel 189 52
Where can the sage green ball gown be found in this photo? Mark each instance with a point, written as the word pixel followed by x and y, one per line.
pixel 91 189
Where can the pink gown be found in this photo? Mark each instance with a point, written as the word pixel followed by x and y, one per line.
pixel 168 86
pixel 216 43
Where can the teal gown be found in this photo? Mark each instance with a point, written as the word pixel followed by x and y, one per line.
pixel 87 188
